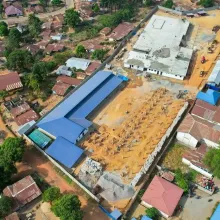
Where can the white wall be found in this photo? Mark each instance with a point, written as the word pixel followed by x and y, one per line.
pixel 150 206
pixel 198 169
pixel 186 139
pixel 210 143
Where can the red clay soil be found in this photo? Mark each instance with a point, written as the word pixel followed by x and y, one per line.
pixel 45 169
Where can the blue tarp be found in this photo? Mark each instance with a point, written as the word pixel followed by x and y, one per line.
pixel 64 151
pixel 68 118
pixel 216 215
pixel 210 96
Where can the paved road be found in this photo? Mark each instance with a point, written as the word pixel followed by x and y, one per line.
pixel 69 4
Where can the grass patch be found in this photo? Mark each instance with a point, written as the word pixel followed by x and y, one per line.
pixel 173 158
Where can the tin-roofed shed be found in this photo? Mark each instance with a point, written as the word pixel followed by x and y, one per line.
pixel 78 63
pixel 214 77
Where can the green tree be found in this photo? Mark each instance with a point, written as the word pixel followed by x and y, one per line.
pixel 80 51
pixel 152 213
pixel 168 4
pixel 68 207
pixel 3 29
pixel 40 71
pixel 3 94
pixel 148 3
pixel 211 159
pixel 5 176
pixel 99 54
pixel 60 58
pixel 12 149
pixel 96 8
pixel 34 25
pixel 51 194
pixel 72 18
pixel 181 180
pixel 14 38
pixel 5 206
pixel 19 60
pixel 206 3
pixel 56 2
pixel 43 3
pixel 31 82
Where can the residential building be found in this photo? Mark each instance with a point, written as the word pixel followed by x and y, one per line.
pixel 206 111
pixel 194 159
pixel 33 49
pixel 78 63
pixel 214 77
pixel 159 48
pixel 92 67
pixel 57 37
pixel 69 80
pixel 10 81
pixel 105 31
pixel 60 88
pixel 121 31
pixel 162 195
pixel 22 192
pixel 51 48
pixel 26 117
pixel 194 130
pixel 63 70
pixel 12 11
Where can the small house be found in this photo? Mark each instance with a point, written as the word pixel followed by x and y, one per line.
pixel 63 70
pixel 12 11
pixel 78 63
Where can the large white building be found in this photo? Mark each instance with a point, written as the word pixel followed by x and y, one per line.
pixel 159 49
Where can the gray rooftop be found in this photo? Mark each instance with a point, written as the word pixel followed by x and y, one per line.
pixel 215 75
pixel 158 46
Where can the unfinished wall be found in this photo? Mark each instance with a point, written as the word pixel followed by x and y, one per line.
pixel 152 156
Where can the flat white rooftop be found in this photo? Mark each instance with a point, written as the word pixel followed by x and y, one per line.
pixel 158 46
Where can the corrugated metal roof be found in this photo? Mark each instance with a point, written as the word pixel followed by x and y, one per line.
pixel 22 129
pixel 39 138
pixel 65 152
pixel 68 118
pixel 78 63
pixel 63 127
pixel 215 75
pixel 210 96
pixel 216 215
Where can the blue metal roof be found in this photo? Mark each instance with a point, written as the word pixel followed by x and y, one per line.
pixel 63 127
pixel 64 151
pixel 68 118
pixel 216 215
pixel 116 214
pixel 210 96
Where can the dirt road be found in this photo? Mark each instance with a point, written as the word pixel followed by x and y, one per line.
pixel 45 169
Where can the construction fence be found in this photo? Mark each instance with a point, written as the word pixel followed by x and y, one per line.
pixel 159 146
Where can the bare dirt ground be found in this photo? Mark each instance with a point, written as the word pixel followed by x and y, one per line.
pixel 37 162
pixel 201 38
pixel 131 125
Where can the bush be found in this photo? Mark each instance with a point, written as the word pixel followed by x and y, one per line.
pixel 51 194
pixel 168 4
pixel 152 213
pixel 206 3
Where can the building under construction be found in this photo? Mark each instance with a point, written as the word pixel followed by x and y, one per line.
pixel 160 49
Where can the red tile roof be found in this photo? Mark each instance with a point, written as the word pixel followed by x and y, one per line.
pixel 199 128
pixel 10 81
pixel 22 192
pixel 92 67
pixel 69 80
pixel 33 48
pixel 13 216
pixel 54 48
pixel 19 109
pixel 93 44
pixel 60 88
pixel 13 10
pixel 206 111
pixel 121 31
pixel 105 31
pixel 162 195
pixel 30 115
